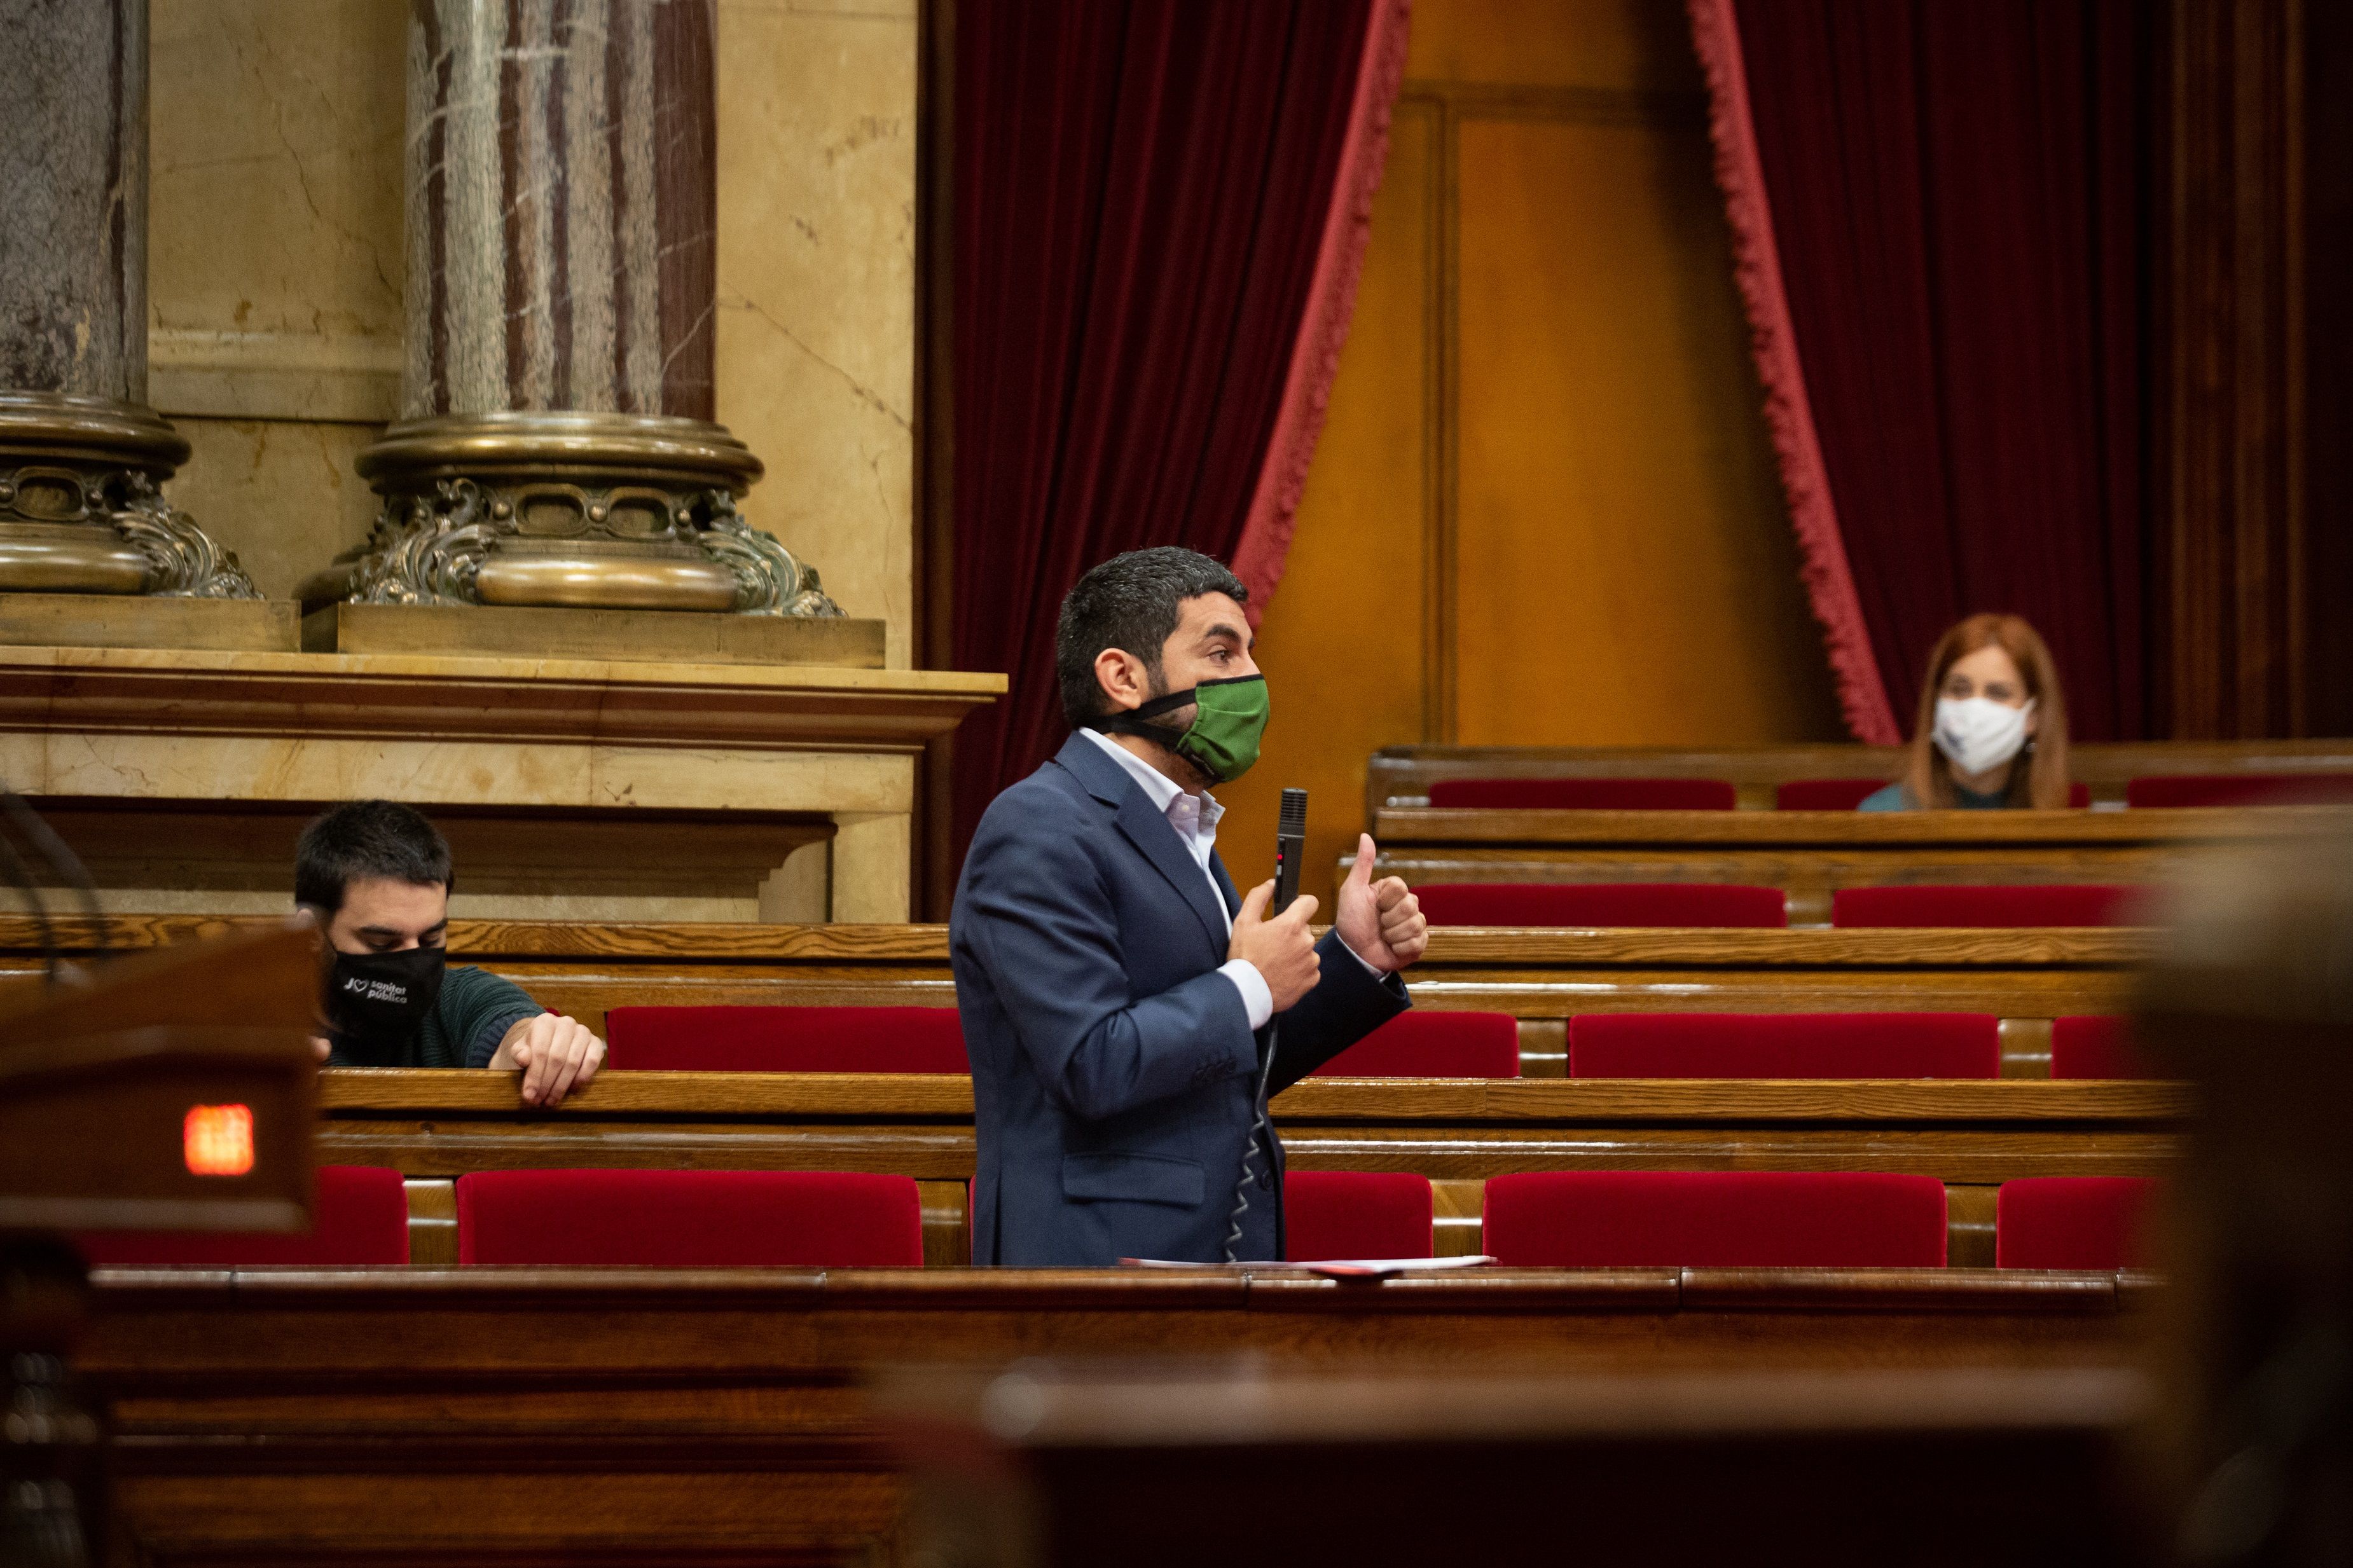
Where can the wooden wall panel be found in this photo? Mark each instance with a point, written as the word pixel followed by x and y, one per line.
pixel 1623 573
pixel 1342 644
pixel 1544 509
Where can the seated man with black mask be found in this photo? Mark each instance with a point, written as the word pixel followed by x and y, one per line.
pixel 377 878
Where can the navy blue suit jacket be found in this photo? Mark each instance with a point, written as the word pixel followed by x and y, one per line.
pixel 1113 1069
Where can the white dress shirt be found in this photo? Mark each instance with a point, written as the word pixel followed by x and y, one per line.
pixel 1195 819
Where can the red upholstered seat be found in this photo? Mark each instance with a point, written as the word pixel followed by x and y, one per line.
pixel 2071 904
pixel 1716 1219
pixel 1355 1214
pixel 1785 1044
pixel 1584 794
pixel 1434 1044
pixel 2096 1047
pixel 2239 789
pixel 359 1217
pixel 786 1039
pixel 1600 904
pixel 1825 795
pixel 689 1218
pixel 2071 1222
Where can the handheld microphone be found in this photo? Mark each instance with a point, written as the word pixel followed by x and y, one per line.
pixel 1290 845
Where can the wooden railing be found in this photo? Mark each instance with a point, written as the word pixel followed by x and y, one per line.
pixel 1541 977
pixel 435 1126
pixel 1811 853
pixel 1401 775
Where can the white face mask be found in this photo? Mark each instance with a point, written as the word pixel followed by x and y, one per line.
pixel 1979 733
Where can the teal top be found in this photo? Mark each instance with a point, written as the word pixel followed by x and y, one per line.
pixel 471 1015
pixel 1896 798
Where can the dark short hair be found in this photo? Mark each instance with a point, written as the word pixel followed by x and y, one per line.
pixel 364 838
pixel 1131 602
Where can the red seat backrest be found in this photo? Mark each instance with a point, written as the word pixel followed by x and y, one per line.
pixel 786 1039
pixel 1825 795
pixel 1716 1219
pixel 2071 1222
pixel 1328 1214
pixel 2239 789
pixel 690 1218
pixel 1421 1044
pixel 1602 904
pixel 360 1217
pixel 2027 904
pixel 2096 1047
pixel 1785 1044
pixel 1584 794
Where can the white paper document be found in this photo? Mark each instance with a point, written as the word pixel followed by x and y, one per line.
pixel 1337 1268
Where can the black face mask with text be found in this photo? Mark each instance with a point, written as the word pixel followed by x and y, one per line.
pixel 376 1002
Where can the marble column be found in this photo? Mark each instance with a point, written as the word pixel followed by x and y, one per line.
pixel 557 445
pixel 81 456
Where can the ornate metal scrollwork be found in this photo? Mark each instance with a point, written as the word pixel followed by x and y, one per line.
pixel 426 550
pixel 186 563
pixel 571 508
pixel 770 579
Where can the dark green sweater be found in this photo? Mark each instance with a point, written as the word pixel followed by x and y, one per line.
pixel 474 1012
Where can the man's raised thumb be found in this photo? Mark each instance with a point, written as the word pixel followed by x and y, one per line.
pixel 1360 874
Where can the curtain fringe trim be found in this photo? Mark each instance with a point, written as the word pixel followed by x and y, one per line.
pixel 1265 544
pixel 1789 414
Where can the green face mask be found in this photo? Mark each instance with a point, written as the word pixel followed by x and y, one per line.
pixel 1223 739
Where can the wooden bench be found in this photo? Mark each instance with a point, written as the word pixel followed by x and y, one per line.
pixel 1541 977
pixel 434 1126
pixel 432 1417
pixel 1401 775
pixel 1811 853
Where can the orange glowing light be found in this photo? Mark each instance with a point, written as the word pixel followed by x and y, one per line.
pixel 218 1140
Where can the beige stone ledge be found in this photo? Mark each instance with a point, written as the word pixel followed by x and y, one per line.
pixel 442 773
pixel 425 699
pixel 312 377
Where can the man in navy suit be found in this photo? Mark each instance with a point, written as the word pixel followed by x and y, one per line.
pixel 1115 989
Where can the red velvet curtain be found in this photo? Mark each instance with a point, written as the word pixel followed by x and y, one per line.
pixel 1958 204
pixel 1142 190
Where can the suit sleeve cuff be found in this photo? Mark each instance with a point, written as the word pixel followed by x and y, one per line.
pixel 1360 958
pixel 1257 1000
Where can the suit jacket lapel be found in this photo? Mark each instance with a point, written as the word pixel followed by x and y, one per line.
pixel 1147 830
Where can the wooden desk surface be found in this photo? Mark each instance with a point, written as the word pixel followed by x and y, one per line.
pixel 354 1094
pixel 293 1322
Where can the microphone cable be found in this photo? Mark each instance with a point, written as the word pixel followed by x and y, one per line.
pixel 20 877
pixel 61 859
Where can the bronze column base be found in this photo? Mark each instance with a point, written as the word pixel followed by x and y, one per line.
pixel 591 510
pixel 81 510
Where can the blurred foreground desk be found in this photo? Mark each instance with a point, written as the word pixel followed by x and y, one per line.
pixel 493 1415
pixel 1057 1465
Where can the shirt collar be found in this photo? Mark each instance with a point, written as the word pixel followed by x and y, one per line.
pixel 1158 788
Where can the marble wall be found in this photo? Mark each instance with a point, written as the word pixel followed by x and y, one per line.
pixel 276 273
pixel 816 285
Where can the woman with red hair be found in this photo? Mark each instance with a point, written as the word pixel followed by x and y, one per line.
pixel 1992 729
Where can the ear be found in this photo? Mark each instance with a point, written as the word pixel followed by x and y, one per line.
pixel 1121 676
pixel 2033 716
